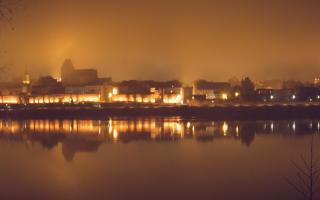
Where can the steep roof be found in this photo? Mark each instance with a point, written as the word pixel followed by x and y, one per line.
pixel 67 64
pixel 207 85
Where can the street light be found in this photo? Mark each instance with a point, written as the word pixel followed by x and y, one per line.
pixel 224 96
pixel 271 97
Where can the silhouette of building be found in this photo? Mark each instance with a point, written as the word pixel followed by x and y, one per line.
pixel 308 93
pixel 47 85
pixel 269 84
pixel 71 76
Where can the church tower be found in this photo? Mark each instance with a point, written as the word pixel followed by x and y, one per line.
pixel 67 70
pixel 26 83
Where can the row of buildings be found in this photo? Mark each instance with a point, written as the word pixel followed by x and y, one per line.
pixel 84 85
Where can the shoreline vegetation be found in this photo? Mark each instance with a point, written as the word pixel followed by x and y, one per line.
pixel 245 111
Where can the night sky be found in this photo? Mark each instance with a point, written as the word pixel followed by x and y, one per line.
pixel 187 40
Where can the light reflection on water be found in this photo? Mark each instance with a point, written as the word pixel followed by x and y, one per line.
pixel 150 158
pixel 88 135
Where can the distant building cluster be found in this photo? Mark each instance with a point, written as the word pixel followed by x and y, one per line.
pixel 84 85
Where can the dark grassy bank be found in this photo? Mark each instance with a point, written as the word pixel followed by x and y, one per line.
pixel 216 113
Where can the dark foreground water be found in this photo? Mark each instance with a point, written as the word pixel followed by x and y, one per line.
pixel 151 158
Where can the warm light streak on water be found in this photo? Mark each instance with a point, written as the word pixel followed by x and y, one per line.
pixel 150 158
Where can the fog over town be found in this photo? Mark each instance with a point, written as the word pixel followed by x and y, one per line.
pixel 165 40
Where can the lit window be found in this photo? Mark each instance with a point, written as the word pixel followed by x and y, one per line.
pixel 115 91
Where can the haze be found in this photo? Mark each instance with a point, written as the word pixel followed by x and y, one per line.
pixel 163 40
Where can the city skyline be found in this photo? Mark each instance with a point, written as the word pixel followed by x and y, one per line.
pixel 159 99
pixel 233 80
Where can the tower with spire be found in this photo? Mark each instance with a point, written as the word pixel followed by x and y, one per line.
pixel 67 70
pixel 26 83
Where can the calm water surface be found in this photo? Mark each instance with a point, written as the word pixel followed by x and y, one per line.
pixel 151 158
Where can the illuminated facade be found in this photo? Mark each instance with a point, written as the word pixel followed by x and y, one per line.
pixel 26 84
pixel 9 99
pixel 155 96
pixel 212 90
pixel 173 98
pixel 78 86
pixel 64 98
pixel 134 91
pixel 135 98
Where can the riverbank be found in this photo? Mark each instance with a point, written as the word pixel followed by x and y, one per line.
pixel 219 112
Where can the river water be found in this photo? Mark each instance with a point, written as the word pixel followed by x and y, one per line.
pixel 152 158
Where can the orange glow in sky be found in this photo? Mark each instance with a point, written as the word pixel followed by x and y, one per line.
pixel 166 39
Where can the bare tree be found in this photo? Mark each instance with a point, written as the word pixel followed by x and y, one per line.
pixel 307 175
pixel 7 8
